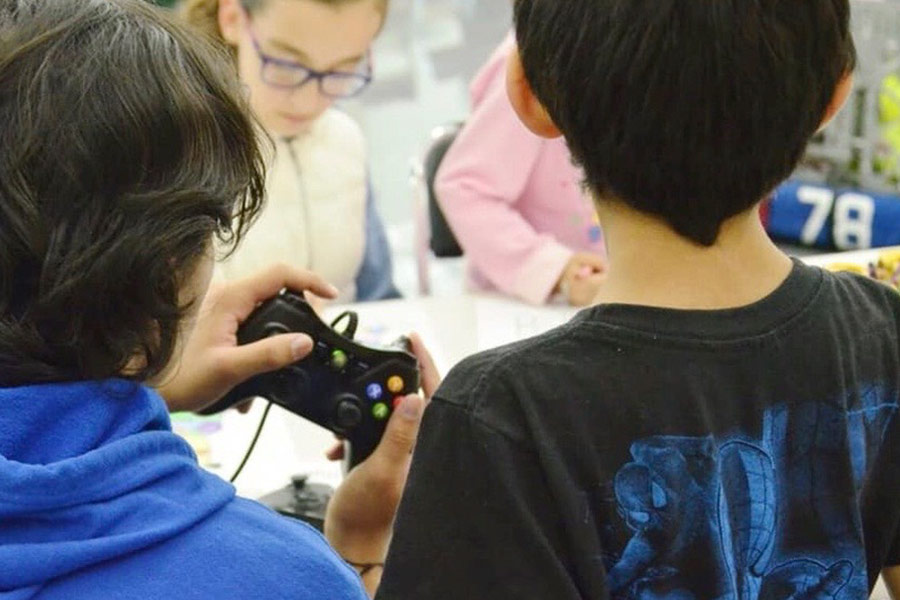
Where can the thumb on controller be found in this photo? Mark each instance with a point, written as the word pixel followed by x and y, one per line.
pixel 402 431
pixel 266 355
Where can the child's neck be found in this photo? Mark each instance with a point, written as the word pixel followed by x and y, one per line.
pixel 651 265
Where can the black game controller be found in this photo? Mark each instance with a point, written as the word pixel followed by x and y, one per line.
pixel 343 386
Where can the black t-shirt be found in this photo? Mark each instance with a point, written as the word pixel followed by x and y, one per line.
pixel 636 452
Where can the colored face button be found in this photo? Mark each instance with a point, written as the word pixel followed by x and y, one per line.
pixel 374 391
pixel 380 411
pixel 338 359
pixel 395 384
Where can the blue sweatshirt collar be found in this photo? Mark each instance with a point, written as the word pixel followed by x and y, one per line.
pixel 88 472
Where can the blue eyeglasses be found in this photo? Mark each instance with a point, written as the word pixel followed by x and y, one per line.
pixel 287 74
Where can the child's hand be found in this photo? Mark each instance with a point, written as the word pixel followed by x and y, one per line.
pixel 211 361
pixel 361 514
pixel 428 371
pixel 582 278
pixel 317 303
pixel 428 375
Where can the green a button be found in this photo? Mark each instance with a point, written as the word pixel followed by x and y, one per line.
pixel 381 411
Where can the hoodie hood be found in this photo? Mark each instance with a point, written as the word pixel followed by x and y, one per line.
pixel 89 472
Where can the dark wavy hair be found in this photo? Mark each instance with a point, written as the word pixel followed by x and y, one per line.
pixel 690 110
pixel 126 147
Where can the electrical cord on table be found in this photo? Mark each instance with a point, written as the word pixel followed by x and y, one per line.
pixel 259 429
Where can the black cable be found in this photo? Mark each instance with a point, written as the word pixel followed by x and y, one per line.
pixel 352 323
pixel 262 422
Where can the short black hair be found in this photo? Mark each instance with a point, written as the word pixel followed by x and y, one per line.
pixel 126 147
pixel 690 110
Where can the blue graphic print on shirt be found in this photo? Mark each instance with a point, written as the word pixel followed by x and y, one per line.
pixel 737 518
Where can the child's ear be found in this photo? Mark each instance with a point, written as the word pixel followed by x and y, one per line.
pixel 231 21
pixel 530 110
pixel 841 93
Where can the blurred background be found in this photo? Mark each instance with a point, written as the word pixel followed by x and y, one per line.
pixel 430 49
pixel 424 59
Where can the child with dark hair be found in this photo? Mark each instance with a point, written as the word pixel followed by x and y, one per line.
pixel 126 149
pixel 723 422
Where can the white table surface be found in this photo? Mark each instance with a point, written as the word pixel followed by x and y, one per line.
pixel 452 327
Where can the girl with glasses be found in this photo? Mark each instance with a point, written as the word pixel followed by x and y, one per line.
pixel 296 58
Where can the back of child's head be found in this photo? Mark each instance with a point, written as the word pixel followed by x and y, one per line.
pixel 690 110
pixel 125 148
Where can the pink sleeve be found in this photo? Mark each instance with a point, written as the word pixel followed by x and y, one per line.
pixel 483 176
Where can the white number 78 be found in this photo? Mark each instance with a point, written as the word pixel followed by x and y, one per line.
pixel 822 201
pixel 854 215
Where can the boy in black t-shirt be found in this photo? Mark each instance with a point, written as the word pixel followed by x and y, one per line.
pixel 723 423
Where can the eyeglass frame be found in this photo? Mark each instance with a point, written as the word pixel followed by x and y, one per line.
pixel 311 74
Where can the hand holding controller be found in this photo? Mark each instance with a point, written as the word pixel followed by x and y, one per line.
pixel 344 386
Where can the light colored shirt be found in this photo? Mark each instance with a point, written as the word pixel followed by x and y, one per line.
pixel 320 214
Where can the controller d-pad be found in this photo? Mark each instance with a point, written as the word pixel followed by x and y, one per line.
pixel 295 381
pixel 347 412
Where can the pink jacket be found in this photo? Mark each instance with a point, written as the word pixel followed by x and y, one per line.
pixel 514 200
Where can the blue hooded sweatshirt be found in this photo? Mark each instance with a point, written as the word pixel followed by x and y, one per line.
pixel 99 499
